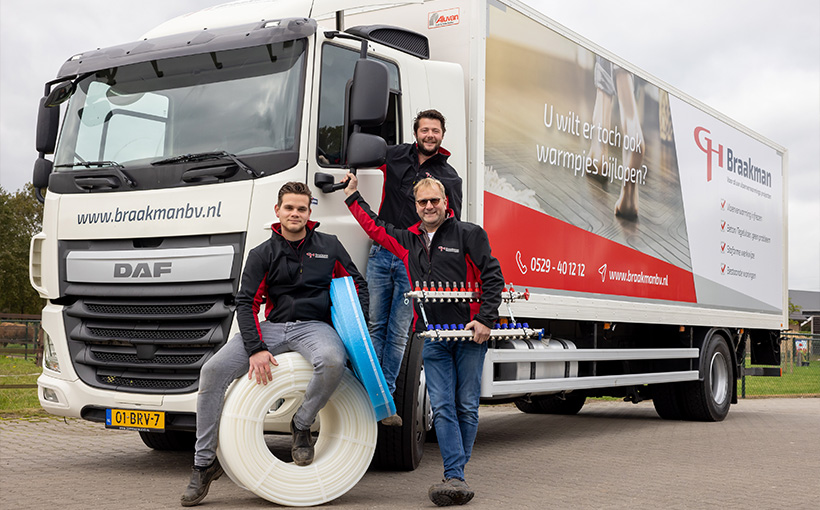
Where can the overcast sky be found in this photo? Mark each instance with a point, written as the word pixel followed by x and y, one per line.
pixel 756 62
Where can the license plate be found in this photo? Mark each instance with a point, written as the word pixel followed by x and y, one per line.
pixel 130 419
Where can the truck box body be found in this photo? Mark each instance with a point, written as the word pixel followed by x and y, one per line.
pixel 551 134
pixel 708 244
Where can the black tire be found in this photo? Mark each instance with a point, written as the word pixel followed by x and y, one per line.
pixel 709 399
pixel 401 448
pixel 529 406
pixel 667 401
pixel 569 404
pixel 170 440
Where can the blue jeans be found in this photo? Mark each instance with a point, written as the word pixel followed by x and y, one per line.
pixel 453 371
pixel 316 341
pixel 390 316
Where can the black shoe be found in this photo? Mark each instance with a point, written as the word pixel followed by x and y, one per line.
pixel 451 491
pixel 201 478
pixel 301 448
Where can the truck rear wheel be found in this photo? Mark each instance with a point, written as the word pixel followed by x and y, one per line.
pixel 709 399
pixel 401 448
pixel 667 402
pixel 170 440
pixel 571 403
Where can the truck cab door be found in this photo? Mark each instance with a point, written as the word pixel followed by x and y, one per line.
pixel 336 62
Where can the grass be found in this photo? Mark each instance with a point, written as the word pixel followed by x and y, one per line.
pixel 22 402
pixel 797 381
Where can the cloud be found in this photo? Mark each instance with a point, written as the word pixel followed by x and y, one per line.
pixel 36 37
pixel 756 63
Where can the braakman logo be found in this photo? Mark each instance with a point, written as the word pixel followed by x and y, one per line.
pixel 736 165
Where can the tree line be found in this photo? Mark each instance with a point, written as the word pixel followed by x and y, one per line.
pixel 21 217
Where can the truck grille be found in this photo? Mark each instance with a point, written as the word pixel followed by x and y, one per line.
pixel 147 383
pixel 148 337
pixel 148 310
pixel 147 348
pixel 132 359
pixel 191 334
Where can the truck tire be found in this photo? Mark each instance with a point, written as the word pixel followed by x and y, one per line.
pixel 709 399
pixel 570 404
pixel 667 402
pixel 401 448
pixel 170 440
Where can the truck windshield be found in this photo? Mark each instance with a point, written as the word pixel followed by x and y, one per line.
pixel 243 102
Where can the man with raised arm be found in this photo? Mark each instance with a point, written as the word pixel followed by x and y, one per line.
pixel 406 164
pixel 439 247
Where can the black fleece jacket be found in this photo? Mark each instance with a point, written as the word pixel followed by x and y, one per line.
pixel 459 252
pixel 293 282
pixel 402 171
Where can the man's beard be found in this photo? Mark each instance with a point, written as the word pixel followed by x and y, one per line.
pixel 426 152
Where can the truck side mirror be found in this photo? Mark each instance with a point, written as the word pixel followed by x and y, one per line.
pixel 366 151
pixel 60 94
pixel 42 170
pixel 48 119
pixel 369 94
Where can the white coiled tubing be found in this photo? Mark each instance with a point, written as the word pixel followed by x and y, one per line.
pixel 343 450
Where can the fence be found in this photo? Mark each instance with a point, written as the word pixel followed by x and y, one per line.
pixel 799 370
pixel 20 335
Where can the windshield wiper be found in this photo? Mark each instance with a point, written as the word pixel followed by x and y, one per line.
pixel 89 164
pixel 113 165
pixel 206 156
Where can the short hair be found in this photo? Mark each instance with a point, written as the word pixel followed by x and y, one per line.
pixel 429 182
pixel 297 188
pixel 429 114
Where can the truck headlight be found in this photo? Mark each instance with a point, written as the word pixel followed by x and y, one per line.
pixel 50 395
pixel 50 359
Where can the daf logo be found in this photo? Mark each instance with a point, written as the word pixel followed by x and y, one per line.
pixel 141 270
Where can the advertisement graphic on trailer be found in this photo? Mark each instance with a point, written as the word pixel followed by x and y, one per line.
pixel 598 181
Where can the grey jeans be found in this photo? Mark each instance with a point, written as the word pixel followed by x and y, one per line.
pixel 316 341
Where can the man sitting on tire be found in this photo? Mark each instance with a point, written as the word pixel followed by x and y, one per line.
pixel 290 274
pixel 440 248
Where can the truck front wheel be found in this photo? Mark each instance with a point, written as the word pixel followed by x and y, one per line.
pixel 401 448
pixel 568 404
pixel 709 399
pixel 170 440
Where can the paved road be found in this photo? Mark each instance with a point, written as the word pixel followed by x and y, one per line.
pixel 766 454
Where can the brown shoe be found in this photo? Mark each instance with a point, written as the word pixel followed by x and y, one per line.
pixel 451 491
pixel 394 420
pixel 201 478
pixel 301 448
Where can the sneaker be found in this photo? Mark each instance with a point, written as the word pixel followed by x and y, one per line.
pixel 464 491
pixel 393 420
pixel 451 491
pixel 301 448
pixel 201 478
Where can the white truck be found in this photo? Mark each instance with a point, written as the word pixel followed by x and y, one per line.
pixel 648 229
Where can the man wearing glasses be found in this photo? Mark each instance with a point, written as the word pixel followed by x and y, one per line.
pixel 390 315
pixel 442 248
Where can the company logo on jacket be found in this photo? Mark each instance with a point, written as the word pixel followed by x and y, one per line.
pixel 316 255
pixel 448 249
